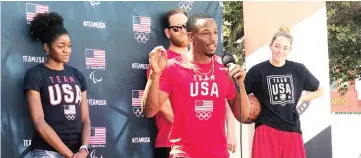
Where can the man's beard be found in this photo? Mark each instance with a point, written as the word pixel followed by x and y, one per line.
pixel 179 43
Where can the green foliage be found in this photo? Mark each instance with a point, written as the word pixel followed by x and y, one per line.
pixel 233 29
pixel 344 42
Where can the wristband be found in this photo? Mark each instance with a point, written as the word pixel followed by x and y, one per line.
pixel 85 148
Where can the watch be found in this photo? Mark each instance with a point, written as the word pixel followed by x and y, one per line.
pixel 85 147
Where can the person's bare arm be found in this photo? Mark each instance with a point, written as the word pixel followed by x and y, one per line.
pixel 154 98
pixel 45 131
pixel 229 119
pixel 231 137
pixel 312 95
pixel 85 135
pixel 166 109
pixel 167 112
pixel 240 105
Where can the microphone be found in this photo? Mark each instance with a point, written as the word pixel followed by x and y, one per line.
pixel 228 60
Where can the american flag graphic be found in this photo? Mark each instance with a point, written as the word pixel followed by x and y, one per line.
pixel 69 109
pixel 95 57
pixel 97 135
pixel 137 97
pixel 204 106
pixel 141 24
pixel 33 9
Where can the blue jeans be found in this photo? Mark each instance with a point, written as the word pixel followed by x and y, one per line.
pixel 45 154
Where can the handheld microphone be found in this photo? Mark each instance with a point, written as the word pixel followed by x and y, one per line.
pixel 228 60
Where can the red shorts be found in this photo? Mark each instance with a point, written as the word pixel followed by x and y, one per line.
pixel 178 152
pixel 272 143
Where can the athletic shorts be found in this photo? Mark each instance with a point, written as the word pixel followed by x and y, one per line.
pixel 269 142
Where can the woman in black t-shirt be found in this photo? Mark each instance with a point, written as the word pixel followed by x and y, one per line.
pixel 278 84
pixel 56 95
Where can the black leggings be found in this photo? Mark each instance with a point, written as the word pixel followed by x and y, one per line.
pixel 162 152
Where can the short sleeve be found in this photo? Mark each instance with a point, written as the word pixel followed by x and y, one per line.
pixel 81 77
pixel 231 93
pixel 165 81
pixel 310 82
pixel 32 80
pixel 252 77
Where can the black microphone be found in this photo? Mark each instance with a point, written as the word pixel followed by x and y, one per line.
pixel 228 60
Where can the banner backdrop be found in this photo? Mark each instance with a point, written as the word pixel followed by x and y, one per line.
pixel 125 32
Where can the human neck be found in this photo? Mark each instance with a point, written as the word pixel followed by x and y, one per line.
pixel 178 50
pixel 199 57
pixel 54 65
pixel 277 64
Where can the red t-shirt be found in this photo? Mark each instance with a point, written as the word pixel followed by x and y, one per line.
pixel 199 108
pixel 164 127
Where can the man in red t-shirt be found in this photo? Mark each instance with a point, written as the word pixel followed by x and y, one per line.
pixel 174 28
pixel 197 85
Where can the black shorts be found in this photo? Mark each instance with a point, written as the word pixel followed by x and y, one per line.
pixel 161 152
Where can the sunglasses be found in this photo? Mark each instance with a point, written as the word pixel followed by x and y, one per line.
pixel 177 28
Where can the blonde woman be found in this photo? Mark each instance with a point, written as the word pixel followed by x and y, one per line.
pixel 278 84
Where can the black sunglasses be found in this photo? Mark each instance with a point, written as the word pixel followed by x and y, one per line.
pixel 177 28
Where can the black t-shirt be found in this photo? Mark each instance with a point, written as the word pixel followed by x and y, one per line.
pixel 278 89
pixel 60 93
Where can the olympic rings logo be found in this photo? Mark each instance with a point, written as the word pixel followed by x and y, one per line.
pixel 186 6
pixel 137 111
pixel 141 37
pixel 204 115
pixel 70 116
